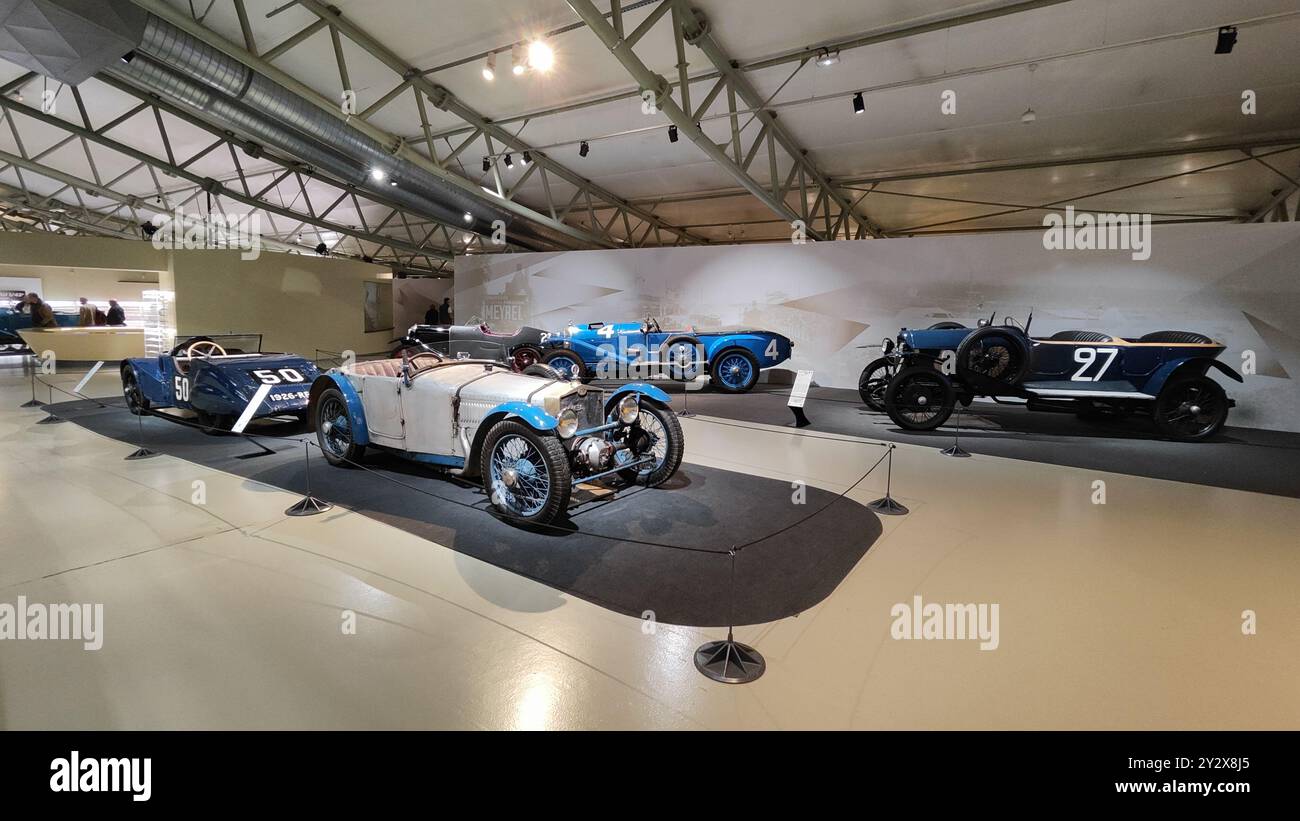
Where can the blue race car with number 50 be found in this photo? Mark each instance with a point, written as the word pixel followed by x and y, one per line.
pixel 732 357
pixel 217 382
pixel 1164 375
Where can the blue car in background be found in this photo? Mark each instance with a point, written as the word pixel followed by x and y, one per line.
pixel 11 322
pixel 217 382
pixel 1164 375
pixel 622 350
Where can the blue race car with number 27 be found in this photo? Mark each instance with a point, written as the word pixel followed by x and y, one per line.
pixel 621 350
pixel 202 376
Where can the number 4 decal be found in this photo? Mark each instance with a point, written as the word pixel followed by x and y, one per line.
pixel 771 353
pixel 1086 357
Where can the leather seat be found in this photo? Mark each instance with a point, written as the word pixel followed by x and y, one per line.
pixel 1080 336
pixel 379 367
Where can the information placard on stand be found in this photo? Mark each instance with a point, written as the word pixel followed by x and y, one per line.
pixel 798 396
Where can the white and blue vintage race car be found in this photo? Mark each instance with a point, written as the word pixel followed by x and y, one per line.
pixel 531 437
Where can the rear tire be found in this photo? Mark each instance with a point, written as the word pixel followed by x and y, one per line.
pixel 661 424
pixel 335 429
pixel 919 398
pixel 874 381
pixel 536 489
pixel 568 364
pixel 1191 410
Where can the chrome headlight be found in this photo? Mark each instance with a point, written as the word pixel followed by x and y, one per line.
pixel 568 423
pixel 888 345
pixel 628 409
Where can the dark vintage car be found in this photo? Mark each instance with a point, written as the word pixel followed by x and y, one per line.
pixel 518 350
pixel 216 380
pixel 1163 375
pixel 12 321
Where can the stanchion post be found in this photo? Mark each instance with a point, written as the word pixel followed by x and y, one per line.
pixel 729 661
pixel 50 418
pixel 955 449
pixel 309 505
pixel 141 452
pixel 886 505
pixel 32 403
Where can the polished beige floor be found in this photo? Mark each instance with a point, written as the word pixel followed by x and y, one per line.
pixel 228 614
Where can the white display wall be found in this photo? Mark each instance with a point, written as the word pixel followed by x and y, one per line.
pixel 1236 283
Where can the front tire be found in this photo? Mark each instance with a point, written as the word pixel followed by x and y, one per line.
pixel 135 399
pixel 919 398
pixel 335 429
pixel 663 438
pixel 874 381
pixel 213 424
pixel 526 474
pixel 1191 410
pixel 734 371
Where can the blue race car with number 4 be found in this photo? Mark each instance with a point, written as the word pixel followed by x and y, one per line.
pixel 217 382
pixel 1163 375
pixel 621 350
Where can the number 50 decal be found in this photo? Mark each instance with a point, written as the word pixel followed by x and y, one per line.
pixel 1087 356
pixel 269 377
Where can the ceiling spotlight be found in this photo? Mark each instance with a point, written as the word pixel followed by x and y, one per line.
pixel 510 163
pixel 128 57
pixel 1227 39
pixel 487 165
pixel 859 104
pixel 672 133
pixel 378 174
pixel 490 67
pixel 540 56
pixel 148 229
pixel 468 217
pixel 527 158
pixel 827 57
pixel 584 149
pixel 393 183
pixel 323 250
pixel 1029 116
pixel 517 66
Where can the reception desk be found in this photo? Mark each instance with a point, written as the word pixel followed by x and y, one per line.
pixel 89 344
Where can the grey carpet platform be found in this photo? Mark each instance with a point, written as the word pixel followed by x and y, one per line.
pixel 598 554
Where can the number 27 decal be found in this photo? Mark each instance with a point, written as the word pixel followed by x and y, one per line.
pixel 1086 357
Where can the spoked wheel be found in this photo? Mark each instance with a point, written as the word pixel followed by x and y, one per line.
pixel 992 353
pixel 873 382
pixel 734 371
pixel 135 401
pixel 681 360
pixel 568 363
pixel 919 398
pixel 521 358
pixel 334 430
pixel 656 433
pixel 1190 410
pixel 526 474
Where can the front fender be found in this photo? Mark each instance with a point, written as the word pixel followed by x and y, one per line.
pixel 150 378
pixel 356 410
pixel 533 415
pixel 648 391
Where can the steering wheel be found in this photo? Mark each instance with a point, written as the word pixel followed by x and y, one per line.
pixel 204 347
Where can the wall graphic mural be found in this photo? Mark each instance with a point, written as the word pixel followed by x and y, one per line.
pixel 1237 283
